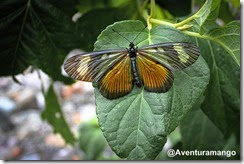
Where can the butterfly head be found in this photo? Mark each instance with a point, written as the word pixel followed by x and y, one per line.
pixel 132 49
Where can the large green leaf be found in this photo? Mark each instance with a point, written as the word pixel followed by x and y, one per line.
pixel 136 125
pixel 54 115
pixel 199 133
pixel 222 97
pixel 222 103
pixel 206 16
pixel 38 33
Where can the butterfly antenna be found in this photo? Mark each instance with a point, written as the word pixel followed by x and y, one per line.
pixel 121 36
pixel 139 33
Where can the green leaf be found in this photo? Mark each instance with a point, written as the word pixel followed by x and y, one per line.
pixel 222 97
pixel 199 133
pixel 91 140
pixel 136 125
pixel 231 145
pixel 206 16
pixel 235 3
pixel 228 37
pixel 54 116
pixel 101 18
pixel 88 5
pixel 67 7
pixel 36 33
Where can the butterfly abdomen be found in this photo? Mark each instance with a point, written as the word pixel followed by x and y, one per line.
pixel 137 80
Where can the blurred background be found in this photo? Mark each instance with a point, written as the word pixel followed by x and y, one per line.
pixel 28 130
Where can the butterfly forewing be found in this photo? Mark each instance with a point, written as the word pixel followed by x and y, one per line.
pixel 155 77
pixel 175 56
pixel 117 81
pixel 91 66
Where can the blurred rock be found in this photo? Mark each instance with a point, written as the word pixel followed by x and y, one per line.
pixel 76 118
pixel 31 157
pixel 16 152
pixel 33 139
pixel 63 154
pixel 7 105
pixel 68 91
pixel 40 100
pixel 6 124
pixel 25 99
pixel 27 121
pixel 54 140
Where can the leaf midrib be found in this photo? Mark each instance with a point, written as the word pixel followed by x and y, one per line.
pixel 139 121
pixel 20 34
pixel 216 40
pixel 46 31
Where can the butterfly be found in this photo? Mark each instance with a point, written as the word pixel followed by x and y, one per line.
pixel 116 71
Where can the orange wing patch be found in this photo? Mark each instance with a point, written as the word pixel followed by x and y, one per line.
pixel 117 82
pixel 155 77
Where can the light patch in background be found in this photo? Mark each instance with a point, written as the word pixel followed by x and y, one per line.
pixel 76 16
pixel 88 112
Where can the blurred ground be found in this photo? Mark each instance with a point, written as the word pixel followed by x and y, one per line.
pixel 23 135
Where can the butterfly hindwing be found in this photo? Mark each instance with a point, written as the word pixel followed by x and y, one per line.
pixel 175 56
pixel 92 66
pixel 155 77
pixel 117 81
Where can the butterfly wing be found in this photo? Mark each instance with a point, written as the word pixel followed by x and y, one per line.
pixel 175 56
pixel 155 77
pixel 118 81
pixel 110 69
pixel 92 66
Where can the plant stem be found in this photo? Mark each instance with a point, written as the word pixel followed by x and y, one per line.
pixel 152 11
pixel 185 27
pixel 141 10
pixel 152 8
pixel 152 20
pixel 185 21
pixel 194 34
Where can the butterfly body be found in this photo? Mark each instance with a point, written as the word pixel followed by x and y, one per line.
pixel 116 71
pixel 132 54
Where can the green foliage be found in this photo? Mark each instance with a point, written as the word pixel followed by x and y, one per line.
pixel 206 16
pixel 176 7
pixel 102 13
pixel 32 33
pixel 91 140
pixel 136 126
pixel 104 17
pixel 53 114
pixel 224 12
pixel 222 97
pixel 197 123
pixel 229 38
pixel 40 33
